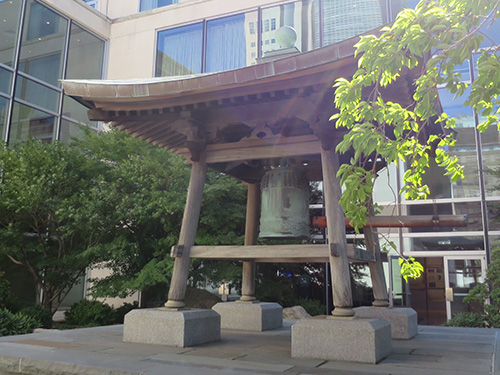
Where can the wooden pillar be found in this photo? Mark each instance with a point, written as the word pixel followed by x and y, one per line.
pixel 188 233
pixel 376 268
pixel 341 282
pixel 251 236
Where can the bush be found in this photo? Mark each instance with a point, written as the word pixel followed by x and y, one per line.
pixel 16 324
pixel 312 306
pixel 44 317
pixel 88 313
pixel 123 310
pixel 466 319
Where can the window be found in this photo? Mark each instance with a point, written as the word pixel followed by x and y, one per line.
pixel 152 4
pixel 180 50
pixel 251 27
pixel 9 25
pixel 265 26
pixel 273 23
pixel 45 32
pixel 92 3
pixel 35 101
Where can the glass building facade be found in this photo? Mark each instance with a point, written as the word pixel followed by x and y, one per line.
pixel 238 40
pixel 38 48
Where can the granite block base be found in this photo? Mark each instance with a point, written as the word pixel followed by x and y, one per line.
pixel 248 316
pixel 403 320
pixel 173 328
pixel 342 339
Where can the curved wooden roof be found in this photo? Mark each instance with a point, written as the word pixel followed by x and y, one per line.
pixel 246 118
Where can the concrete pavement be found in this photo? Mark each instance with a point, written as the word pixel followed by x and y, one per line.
pixel 100 351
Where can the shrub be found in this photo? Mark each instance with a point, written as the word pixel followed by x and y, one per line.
pixel 312 306
pixel 44 317
pixel 466 319
pixel 88 313
pixel 121 311
pixel 16 324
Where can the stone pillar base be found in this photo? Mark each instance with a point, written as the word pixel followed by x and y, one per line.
pixel 174 328
pixel 403 320
pixel 342 339
pixel 248 316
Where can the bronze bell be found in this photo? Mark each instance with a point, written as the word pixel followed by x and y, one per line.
pixel 285 204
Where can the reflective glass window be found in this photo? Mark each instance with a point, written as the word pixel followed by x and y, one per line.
pixel 9 29
pixel 92 3
pixel 152 4
pixel 76 111
pixel 490 140
pixel 344 19
pixel 85 56
pixel 3 115
pixel 448 243
pixel 28 123
pixel 179 51
pixel 464 149
pixel 5 80
pixel 297 15
pixel 395 6
pixel 494 217
pixel 43 43
pixel 491 32
pixel 37 94
pixel 228 43
pixel 472 211
pixel 70 130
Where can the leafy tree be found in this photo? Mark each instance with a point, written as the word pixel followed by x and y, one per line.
pixel 432 41
pixel 144 198
pixel 105 200
pixel 45 194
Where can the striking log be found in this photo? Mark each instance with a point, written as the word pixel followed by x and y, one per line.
pixel 415 221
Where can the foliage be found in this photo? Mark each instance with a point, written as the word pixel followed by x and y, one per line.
pixel 16 324
pixel 466 319
pixel 312 306
pixel 145 194
pixel 123 310
pixel 41 315
pixel 45 226
pixel 141 198
pixel 431 41
pixel 4 289
pixel 87 313
pixel 410 268
pixel 273 285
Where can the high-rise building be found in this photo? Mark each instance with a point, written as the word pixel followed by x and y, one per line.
pixel 44 41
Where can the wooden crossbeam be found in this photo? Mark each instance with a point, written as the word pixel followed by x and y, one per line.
pixel 277 253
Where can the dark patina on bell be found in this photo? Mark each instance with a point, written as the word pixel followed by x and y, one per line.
pixel 285 204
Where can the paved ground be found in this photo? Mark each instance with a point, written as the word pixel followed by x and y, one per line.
pixel 100 351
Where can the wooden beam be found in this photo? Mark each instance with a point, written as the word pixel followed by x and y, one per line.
pixel 341 281
pixel 187 236
pixel 277 253
pixel 251 237
pixel 261 149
